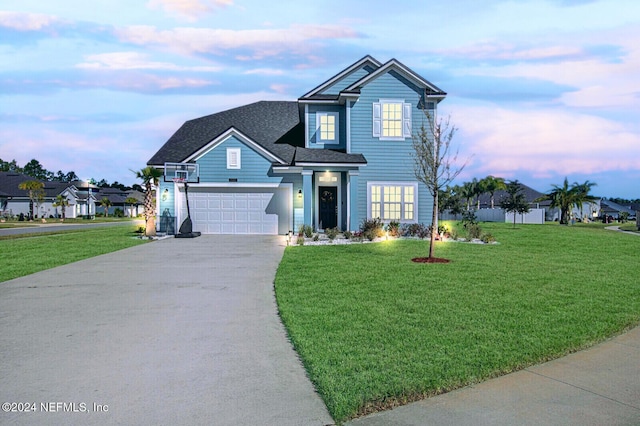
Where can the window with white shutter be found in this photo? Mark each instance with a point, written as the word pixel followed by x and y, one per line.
pixel 233 158
pixel 391 119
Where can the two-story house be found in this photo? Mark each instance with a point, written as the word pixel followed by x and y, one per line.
pixel 339 154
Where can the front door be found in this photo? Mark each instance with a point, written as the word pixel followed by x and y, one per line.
pixel 328 202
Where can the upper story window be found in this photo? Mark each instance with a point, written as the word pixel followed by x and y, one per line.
pixel 233 158
pixel 391 119
pixel 327 127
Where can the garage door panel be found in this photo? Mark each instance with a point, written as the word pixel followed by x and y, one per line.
pixel 237 211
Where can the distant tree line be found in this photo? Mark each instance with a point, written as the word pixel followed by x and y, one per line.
pixel 36 170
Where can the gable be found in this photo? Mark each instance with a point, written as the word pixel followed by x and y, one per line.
pixel 336 84
pixel 234 157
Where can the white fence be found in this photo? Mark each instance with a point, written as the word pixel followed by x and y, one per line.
pixel 535 216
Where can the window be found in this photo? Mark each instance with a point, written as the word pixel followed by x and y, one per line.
pixel 391 201
pixel 391 119
pixel 233 158
pixel 327 127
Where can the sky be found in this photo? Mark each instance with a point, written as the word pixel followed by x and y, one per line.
pixel 539 90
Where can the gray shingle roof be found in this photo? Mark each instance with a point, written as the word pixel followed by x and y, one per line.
pixel 9 182
pixel 306 155
pixel 271 124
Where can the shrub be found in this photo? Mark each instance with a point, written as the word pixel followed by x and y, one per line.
pixel 118 212
pixel 413 230
pixel 306 230
pixel 469 218
pixel 332 233
pixel 424 232
pixel 300 240
pixel 393 228
pixel 442 229
pixel 488 238
pixel 372 228
pixel 454 234
pixel 316 237
pixel 347 234
pixel 473 231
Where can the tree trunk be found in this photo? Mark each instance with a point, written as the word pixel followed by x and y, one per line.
pixel 434 225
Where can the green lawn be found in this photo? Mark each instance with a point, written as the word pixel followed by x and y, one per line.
pixel 29 253
pixel 374 329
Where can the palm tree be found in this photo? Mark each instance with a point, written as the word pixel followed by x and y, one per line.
pixel 515 201
pixel 583 190
pixel 106 203
pixel 564 197
pixel 492 184
pixel 35 190
pixel 63 203
pixel 131 201
pixel 150 177
pixel 467 191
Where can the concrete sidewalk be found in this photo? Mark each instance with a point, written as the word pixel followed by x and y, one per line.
pixel 598 386
pixel 179 331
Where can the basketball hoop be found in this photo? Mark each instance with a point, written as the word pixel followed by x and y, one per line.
pixel 178 180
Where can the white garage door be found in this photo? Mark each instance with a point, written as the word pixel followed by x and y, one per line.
pixel 238 211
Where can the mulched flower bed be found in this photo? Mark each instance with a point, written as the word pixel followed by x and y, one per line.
pixel 430 260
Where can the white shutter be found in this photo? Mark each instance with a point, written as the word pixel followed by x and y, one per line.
pixel 377 119
pixel 406 121
pixel 233 158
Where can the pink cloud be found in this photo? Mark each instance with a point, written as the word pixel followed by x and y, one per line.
pixel 189 9
pixel 263 42
pixel 26 21
pixel 544 142
pixel 134 61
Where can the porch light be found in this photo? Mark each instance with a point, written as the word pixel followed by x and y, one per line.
pixel 165 194
pixel 299 195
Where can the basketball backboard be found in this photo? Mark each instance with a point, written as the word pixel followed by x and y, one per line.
pixel 182 172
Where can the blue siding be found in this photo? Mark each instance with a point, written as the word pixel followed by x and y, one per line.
pixel 254 167
pixel 342 126
pixel 387 161
pixel 347 81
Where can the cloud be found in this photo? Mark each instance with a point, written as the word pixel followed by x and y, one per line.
pixel 264 71
pixel 544 142
pixel 26 21
pixel 297 39
pixel 134 61
pixel 190 9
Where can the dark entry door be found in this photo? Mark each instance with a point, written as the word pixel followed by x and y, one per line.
pixel 328 202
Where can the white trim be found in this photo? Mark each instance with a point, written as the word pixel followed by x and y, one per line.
pixel 226 135
pixel 306 126
pixel 392 183
pixel 362 62
pixel 317 184
pixel 331 165
pixel 336 129
pixel 231 153
pixel 287 169
pixel 348 123
pixel 402 69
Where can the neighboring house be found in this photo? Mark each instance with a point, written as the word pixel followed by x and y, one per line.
pixel 14 201
pixel 338 155
pixel 609 208
pixel 118 198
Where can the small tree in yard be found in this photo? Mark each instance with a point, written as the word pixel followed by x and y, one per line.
pixel 434 162
pixel 515 202
pixel 150 176
pixel 63 203
pixel 35 191
pixel 106 203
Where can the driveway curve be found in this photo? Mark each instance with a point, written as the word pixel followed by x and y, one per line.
pixel 178 331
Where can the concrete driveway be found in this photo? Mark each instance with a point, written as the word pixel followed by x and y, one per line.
pixel 178 331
